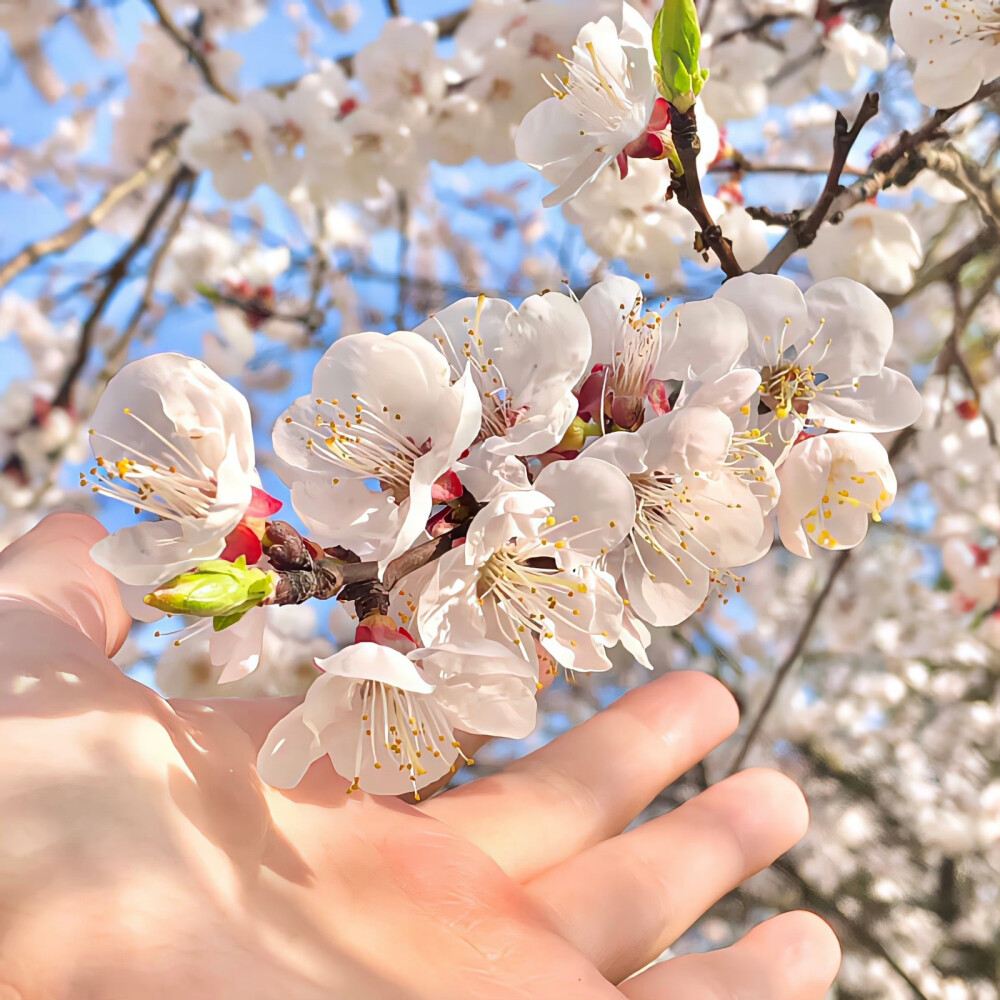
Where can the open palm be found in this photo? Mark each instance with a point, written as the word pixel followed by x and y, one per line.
pixel 140 855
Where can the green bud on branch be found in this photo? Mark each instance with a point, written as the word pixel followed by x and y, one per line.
pixel 676 48
pixel 217 589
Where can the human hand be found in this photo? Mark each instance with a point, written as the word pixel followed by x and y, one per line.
pixel 141 856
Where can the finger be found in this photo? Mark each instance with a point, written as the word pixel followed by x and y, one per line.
pixel 590 783
pixel 791 957
pixel 50 568
pixel 624 901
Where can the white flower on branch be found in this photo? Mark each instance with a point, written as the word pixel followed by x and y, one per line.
pixel 364 451
pixel 821 358
pixel 386 711
pixel 873 245
pixel 603 104
pixel 173 440
pixel 230 140
pixel 526 571
pixel 954 44
pixel 830 485
pixel 696 484
pixel 524 362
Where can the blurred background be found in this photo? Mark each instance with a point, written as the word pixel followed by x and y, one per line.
pixel 871 676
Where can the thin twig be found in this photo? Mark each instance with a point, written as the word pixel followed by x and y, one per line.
pixel 194 51
pixel 115 275
pixel 964 173
pixel 857 930
pixel 73 233
pixel 901 441
pixel 792 657
pixel 883 171
pixel 117 350
pixel 739 165
pixel 686 188
pixel 802 232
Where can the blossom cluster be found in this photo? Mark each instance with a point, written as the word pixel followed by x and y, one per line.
pixel 592 467
pixel 250 205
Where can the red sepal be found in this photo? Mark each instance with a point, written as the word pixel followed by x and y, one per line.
pixel 242 541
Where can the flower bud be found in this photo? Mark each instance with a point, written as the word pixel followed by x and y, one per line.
pixel 676 48
pixel 215 589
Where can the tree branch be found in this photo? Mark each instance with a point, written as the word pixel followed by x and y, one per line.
pixel 115 275
pixel 802 232
pixel 857 930
pixel 686 188
pixel 63 240
pixel 791 659
pixel 194 51
pixel 883 171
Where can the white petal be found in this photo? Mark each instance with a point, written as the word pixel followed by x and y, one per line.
pixel 289 750
pixel 237 648
pixel 803 477
pixel 711 336
pixel 153 552
pixel 601 500
pixel 767 301
pixel 856 321
pixel 884 402
pixel 370 661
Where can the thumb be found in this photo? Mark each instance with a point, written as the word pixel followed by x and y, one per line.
pixel 50 568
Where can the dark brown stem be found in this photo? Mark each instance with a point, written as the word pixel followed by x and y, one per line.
pixel 190 45
pixel 803 231
pixel 686 188
pixel 304 573
pixel 844 138
pixel 886 169
pixel 115 276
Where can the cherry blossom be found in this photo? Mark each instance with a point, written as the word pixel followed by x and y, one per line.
pixel 387 717
pixel 953 44
pixel 230 140
pixel 526 389
pixel 831 484
pixel 171 439
pixel 697 512
pixel 873 245
pixel 820 357
pixel 383 424
pixel 524 572
pixel 605 105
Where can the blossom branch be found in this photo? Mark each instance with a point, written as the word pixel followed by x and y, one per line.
pixel 830 907
pixel 194 51
pixel 686 187
pixel 792 658
pixel 115 276
pixel 116 352
pixel 884 171
pixel 305 574
pixel 801 233
pixel 72 234
pixel 965 174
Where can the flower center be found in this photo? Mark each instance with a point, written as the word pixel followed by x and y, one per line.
pixel 170 484
pixel 535 594
pixel 365 439
pixel 399 729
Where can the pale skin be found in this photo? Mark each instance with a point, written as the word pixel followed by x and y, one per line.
pixel 141 857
